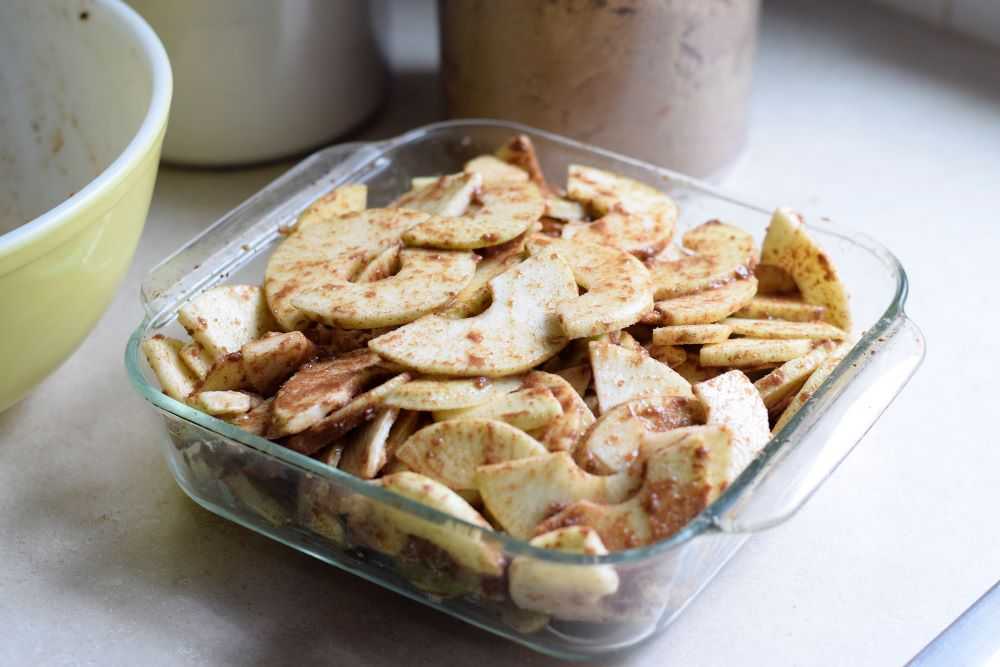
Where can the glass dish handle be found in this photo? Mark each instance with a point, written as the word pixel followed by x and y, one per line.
pixel 841 413
pixel 247 228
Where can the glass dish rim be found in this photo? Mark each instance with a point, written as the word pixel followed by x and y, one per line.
pixel 706 521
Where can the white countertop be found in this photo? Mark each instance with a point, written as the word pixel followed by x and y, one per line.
pixel 858 115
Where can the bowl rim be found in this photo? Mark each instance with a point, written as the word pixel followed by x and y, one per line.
pixel 138 147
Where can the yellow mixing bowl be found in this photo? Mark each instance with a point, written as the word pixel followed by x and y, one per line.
pixel 85 88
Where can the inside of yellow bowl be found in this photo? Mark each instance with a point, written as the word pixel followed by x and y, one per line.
pixel 74 90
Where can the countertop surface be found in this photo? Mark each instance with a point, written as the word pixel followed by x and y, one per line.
pixel 858 115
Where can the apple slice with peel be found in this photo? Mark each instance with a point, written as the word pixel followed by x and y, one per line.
pixel 427 279
pixel 521 493
pixel 617 284
pixel 525 409
pixel 731 400
pixel 686 469
pixel 451 451
pixel 613 443
pixel 388 527
pixel 518 331
pixel 621 374
pixel 567 592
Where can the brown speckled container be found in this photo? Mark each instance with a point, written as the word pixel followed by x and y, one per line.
pixel 665 81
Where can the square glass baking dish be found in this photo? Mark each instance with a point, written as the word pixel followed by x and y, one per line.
pixel 301 502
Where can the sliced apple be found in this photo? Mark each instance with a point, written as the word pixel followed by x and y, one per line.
pixel 753 352
pixel 520 152
pixel 385 264
pixel 342 420
pixel 329 252
pixel 475 296
pixel 617 284
pixel 433 394
pixel 613 443
pixel 567 592
pixel 564 432
pixel 705 307
pixel 257 420
pixel 427 279
pixel 518 331
pixel 525 409
pixel 269 361
pixel 686 470
pixel 340 201
pixel 520 494
pixel 642 235
pixel 196 358
pixel 494 170
pixel 319 388
pixel 731 400
pixel 785 380
pixel 565 210
pixel 227 373
pixel 621 375
pixel 224 318
pixel 726 242
pixel 507 209
pixel 781 329
pixel 163 355
pixel 365 453
pixel 467 547
pixel 781 308
pixel 645 217
pixel 447 196
pixel 815 381
pixel 451 451
pixel 691 334
pixel 787 245
pixel 223 403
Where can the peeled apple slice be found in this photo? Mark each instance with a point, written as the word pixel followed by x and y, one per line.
pixel 162 354
pixel 621 375
pixel 617 284
pixel 447 196
pixel 521 493
pixel 686 470
pixel 706 307
pixel 732 401
pixel 525 409
pixel 431 394
pixel 426 280
pixel 451 451
pixel 518 331
pixel 568 592
pixel 507 209
pixel 223 319
pixel 329 252
pixel 787 245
